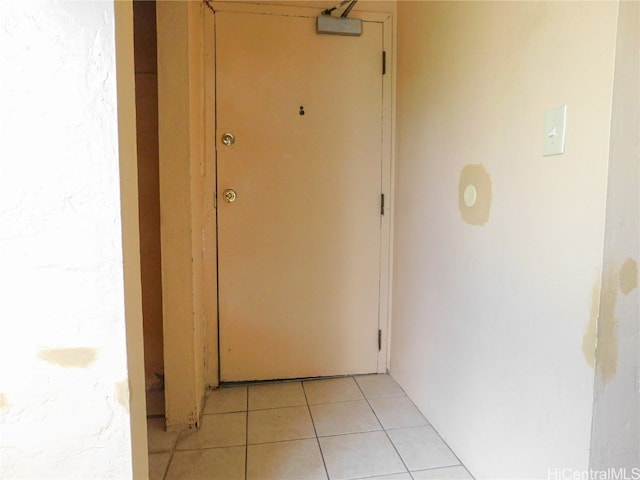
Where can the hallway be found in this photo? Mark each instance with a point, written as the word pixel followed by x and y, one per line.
pixel 339 428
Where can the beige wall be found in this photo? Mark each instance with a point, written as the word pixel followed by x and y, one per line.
pixel 615 438
pixel 384 6
pixel 187 218
pixel 131 236
pixel 203 247
pixel 148 187
pixel 493 317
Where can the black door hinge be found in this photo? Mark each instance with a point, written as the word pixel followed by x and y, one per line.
pixel 384 62
pixel 379 340
pixel 382 204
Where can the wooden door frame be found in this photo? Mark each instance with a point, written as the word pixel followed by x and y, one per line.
pixel 388 143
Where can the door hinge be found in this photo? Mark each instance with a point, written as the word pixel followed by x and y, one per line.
pixel 384 62
pixel 379 340
pixel 382 204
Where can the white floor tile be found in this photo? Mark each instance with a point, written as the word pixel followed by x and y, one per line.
pixel 360 455
pixel 397 412
pixel 282 436
pixel 379 386
pixel 226 400
pixel 159 439
pixel 294 460
pixel 421 448
pixel 276 395
pixel 332 390
pixel 222 430
pixel 280 424
pixel 344 417
pixel 447 473
pixel 158 463
pixel 224 463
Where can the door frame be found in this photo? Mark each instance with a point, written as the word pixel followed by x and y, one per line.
pixel 388 146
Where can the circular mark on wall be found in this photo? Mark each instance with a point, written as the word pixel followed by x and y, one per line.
pixel 474 194
pixel 470 195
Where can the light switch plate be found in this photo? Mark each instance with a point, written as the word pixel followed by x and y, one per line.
pixel 555 122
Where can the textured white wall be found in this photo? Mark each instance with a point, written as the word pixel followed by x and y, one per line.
pixel 493 322
pixel 615 439
pixel 64 397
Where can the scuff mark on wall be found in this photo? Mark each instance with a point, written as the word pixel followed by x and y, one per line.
pixel 194 420
pixel 474 194
pixel 589 339
pixel 69 357
pixel 607 343
pixel 4 403
pixel 122 393
pixel 628 276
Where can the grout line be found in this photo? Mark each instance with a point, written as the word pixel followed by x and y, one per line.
pixel 383 476
pixel 346 434
pixel 460 464
pixel 439 468
pixel 313 423
pixel 385 431
pixel 246 438
pixel 237 445
pixel 278 408
pixel 171 452
pixel 293 406
pixel 429 425
pixel 282 441
pixel 222 413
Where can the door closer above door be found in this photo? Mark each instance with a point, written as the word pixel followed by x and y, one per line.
pixel 328 24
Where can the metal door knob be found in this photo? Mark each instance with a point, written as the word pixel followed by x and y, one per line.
pixel 228 139
pixel 230 195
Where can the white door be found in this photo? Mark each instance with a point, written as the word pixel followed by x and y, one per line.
pixel 299 247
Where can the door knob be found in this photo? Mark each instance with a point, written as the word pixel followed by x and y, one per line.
pixel 230 195
pixel 228 139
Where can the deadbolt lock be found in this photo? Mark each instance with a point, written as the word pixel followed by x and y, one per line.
pixel 228 139
pixel 230 195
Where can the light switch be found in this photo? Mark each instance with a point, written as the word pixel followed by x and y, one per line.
pixel 555 121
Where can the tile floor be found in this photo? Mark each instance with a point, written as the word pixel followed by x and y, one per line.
pixel 361 427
